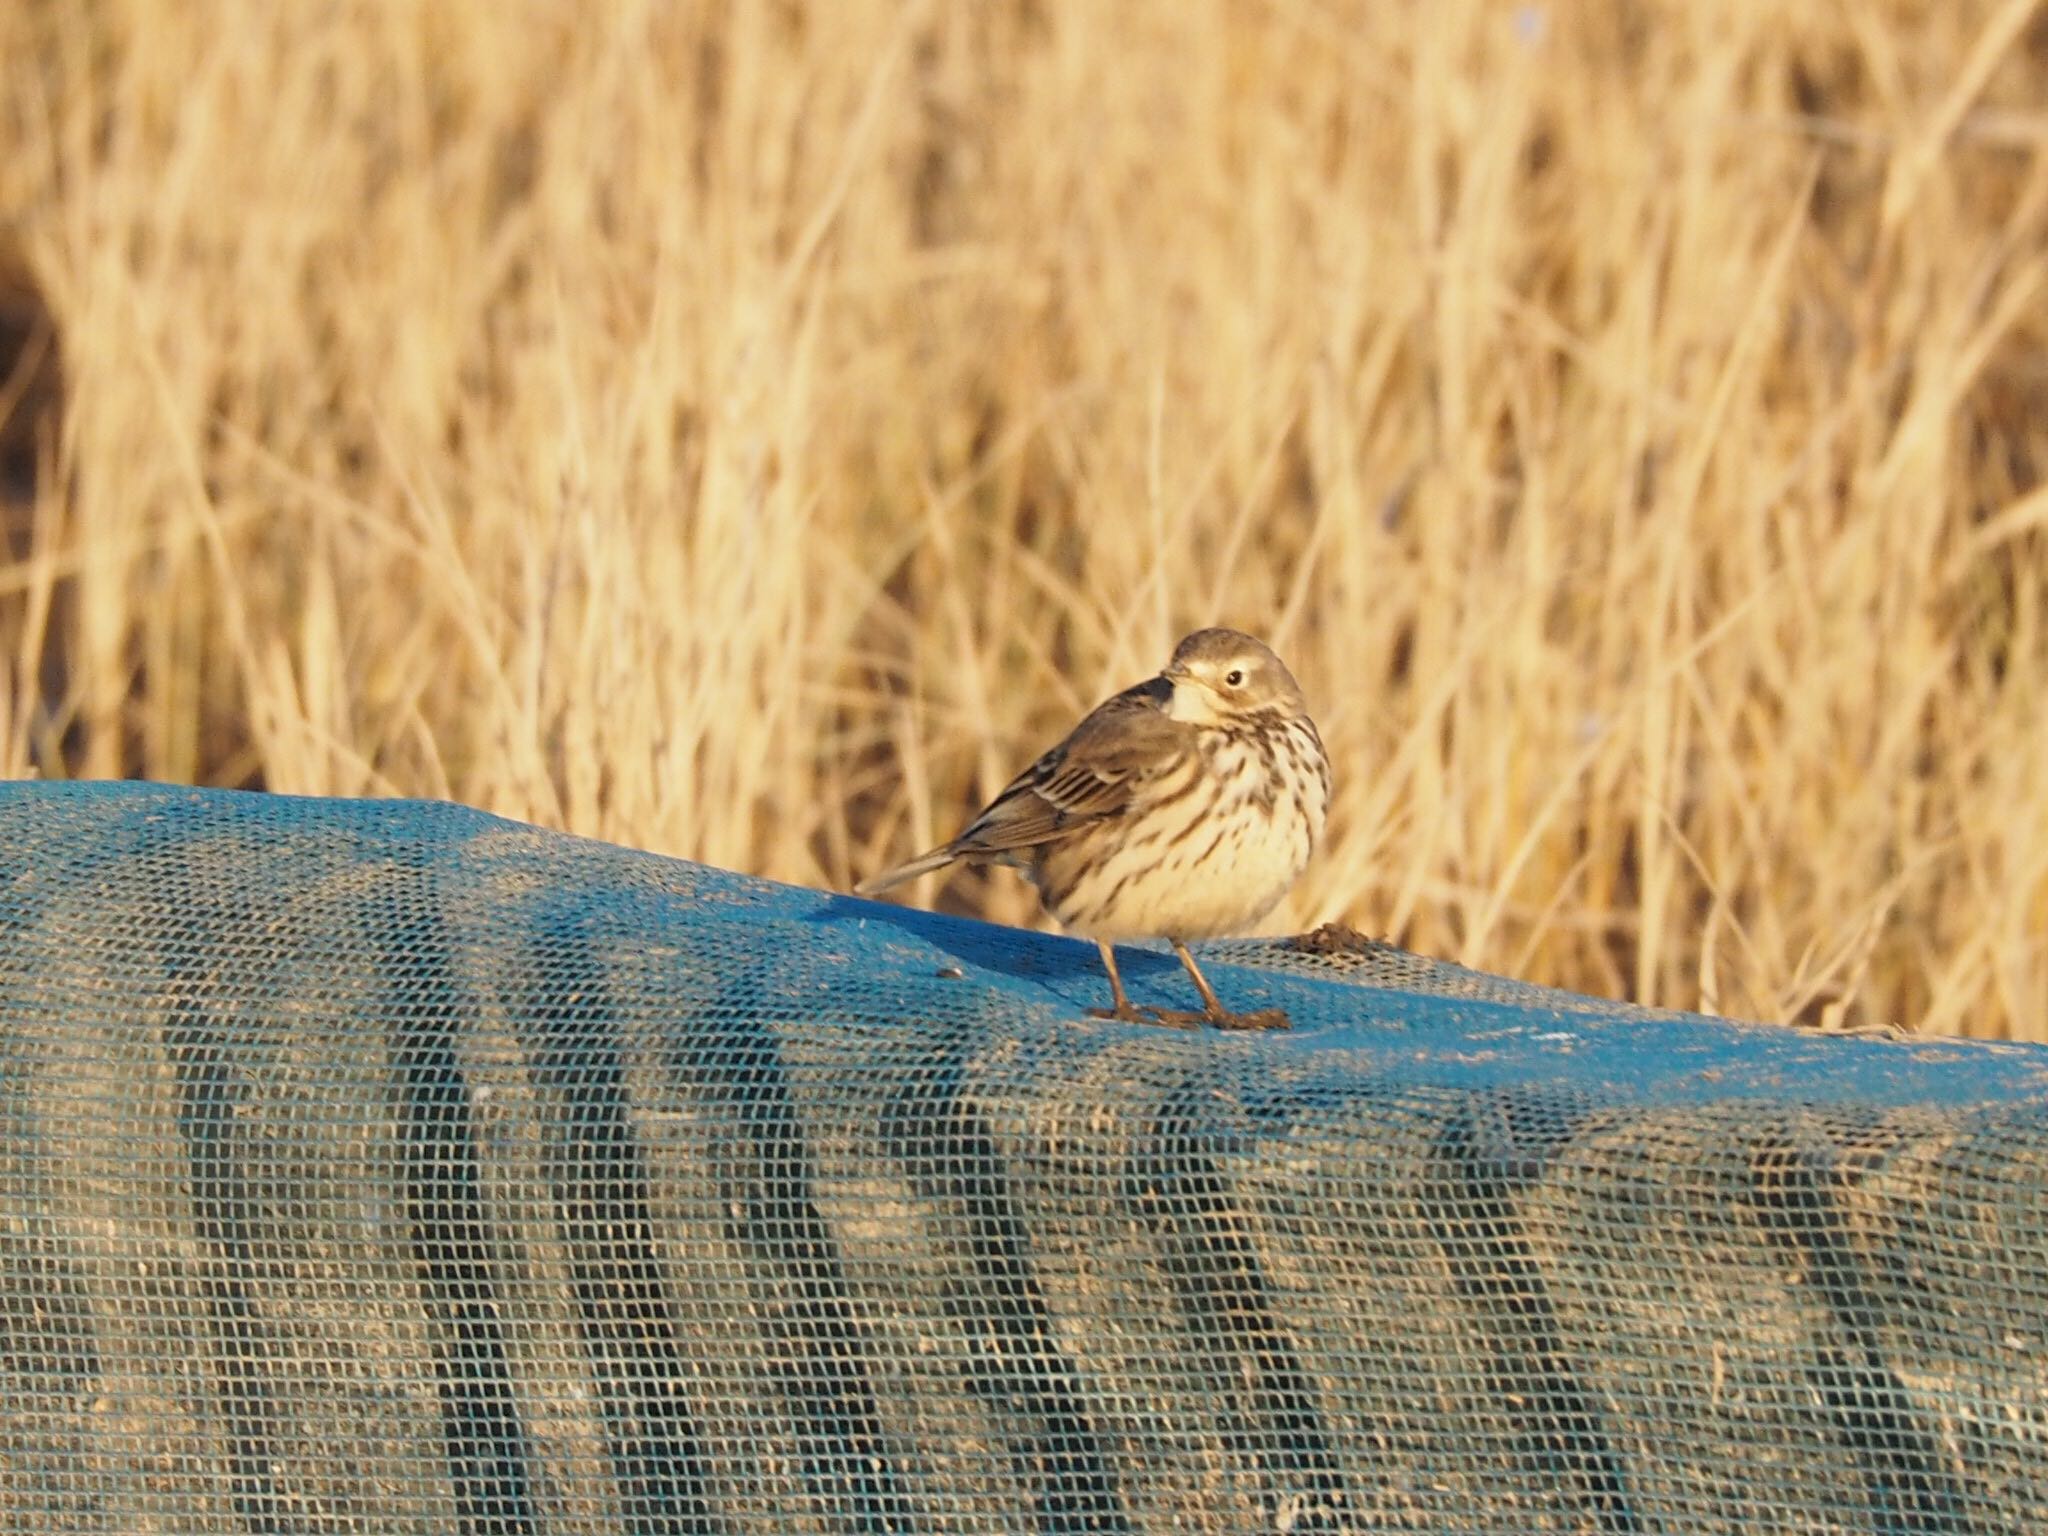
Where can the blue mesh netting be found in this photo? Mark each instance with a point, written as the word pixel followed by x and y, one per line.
pixel 383 1166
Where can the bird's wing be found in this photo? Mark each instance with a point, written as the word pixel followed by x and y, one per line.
pixel 1124 742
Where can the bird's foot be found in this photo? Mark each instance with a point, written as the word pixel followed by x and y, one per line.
pixel 1132 1014
pixel 1177 1018
pixel 1180 1018
pixel 1262 1018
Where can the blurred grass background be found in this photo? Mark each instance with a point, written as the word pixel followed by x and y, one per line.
pixel 752 430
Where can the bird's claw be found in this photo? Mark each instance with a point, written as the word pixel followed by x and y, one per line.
pixel 1262 1018
pixel 1175 1018
pixel 1135 1014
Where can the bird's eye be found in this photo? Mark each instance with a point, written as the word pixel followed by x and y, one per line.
pixel 1234 677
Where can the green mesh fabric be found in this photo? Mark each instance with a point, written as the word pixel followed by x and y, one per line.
pixel 383 1166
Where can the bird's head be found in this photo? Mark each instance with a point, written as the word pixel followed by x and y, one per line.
pixel 1224 677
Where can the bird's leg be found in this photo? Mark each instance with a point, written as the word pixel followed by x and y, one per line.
pixel 1125 1009
pixel 1209 1000
pixel 1216 1013
pixel 1116 982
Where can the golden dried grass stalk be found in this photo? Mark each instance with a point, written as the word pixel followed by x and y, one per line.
pixel 752 431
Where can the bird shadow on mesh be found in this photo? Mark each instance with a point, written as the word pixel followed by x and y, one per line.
pixel 1070 967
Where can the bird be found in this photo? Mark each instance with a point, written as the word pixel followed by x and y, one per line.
pixel 1182 808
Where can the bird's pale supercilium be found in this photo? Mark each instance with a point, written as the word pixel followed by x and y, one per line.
pixel 1183 808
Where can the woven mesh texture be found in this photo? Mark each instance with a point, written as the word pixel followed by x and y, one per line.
pixel 383 1166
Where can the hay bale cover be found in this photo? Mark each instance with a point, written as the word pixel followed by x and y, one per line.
pixel 384 1166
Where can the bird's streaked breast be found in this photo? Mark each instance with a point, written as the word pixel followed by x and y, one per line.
pixel 1207 849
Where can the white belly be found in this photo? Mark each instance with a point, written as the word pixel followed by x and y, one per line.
pixel 1197 869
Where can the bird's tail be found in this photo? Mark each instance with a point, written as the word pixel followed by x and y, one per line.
pixel 923 864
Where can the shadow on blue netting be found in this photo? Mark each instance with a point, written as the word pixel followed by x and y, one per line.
pixel 1070 968
pixel 154 847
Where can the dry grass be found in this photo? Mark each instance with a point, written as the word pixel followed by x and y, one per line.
pixel 749 431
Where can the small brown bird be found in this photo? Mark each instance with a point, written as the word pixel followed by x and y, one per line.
pixel 1180 809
